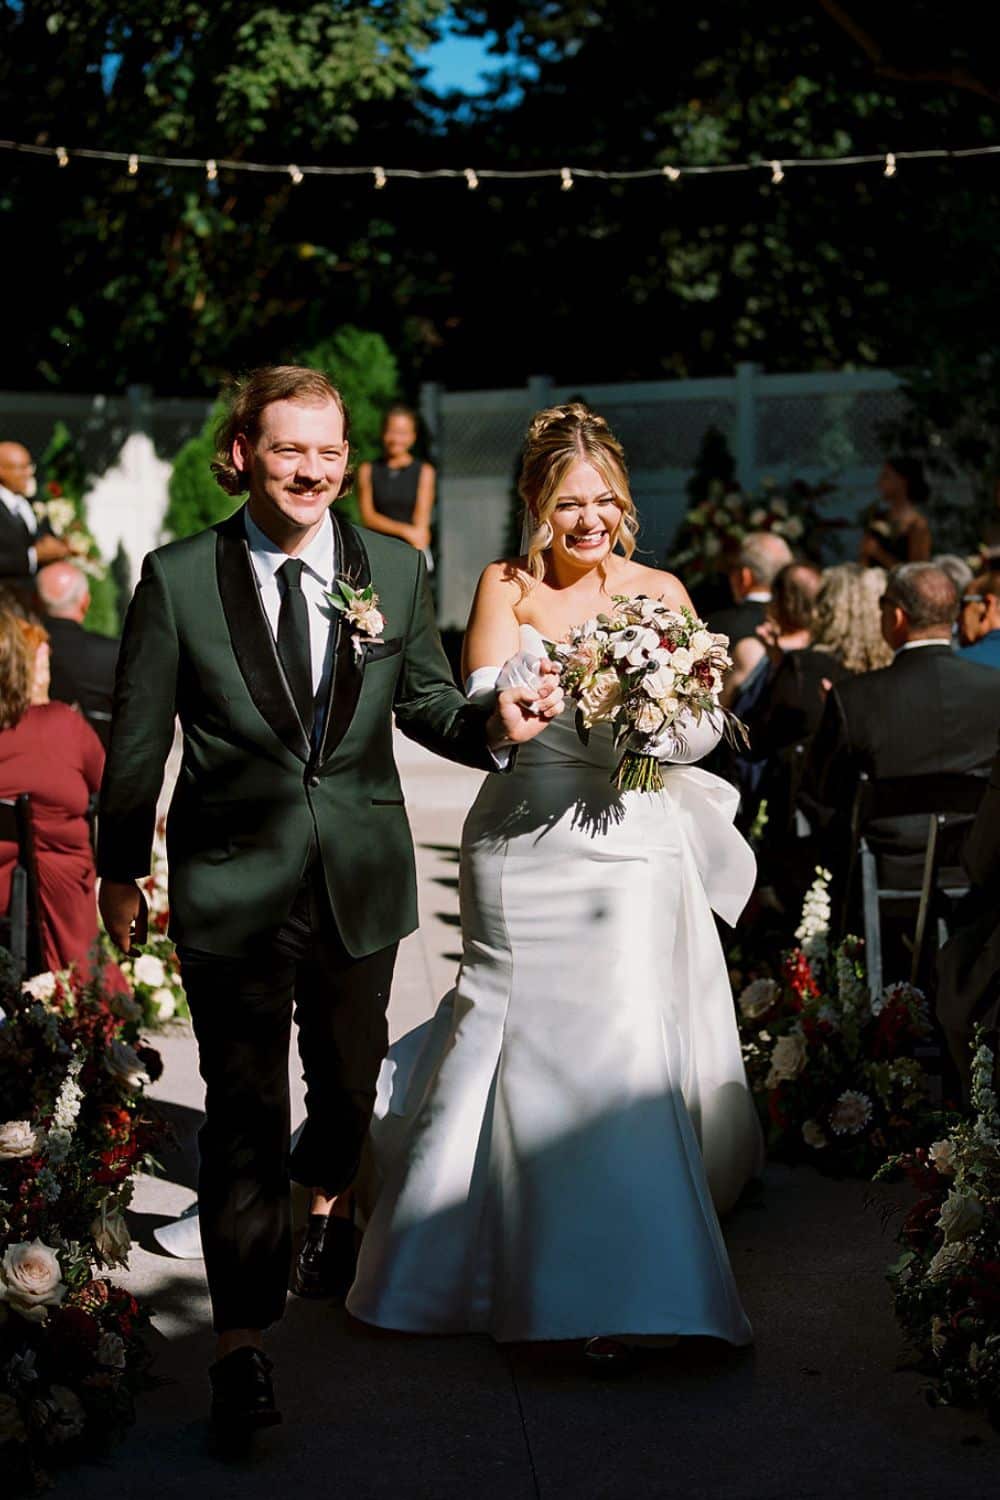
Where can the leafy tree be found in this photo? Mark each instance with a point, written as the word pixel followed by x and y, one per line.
pixel 194 500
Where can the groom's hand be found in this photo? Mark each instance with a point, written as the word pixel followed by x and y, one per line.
pixel 125 913
pixel 522 713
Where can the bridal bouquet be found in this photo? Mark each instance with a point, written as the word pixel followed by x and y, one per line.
pixel 643 668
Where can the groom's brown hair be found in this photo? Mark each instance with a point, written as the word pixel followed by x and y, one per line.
pixel 250 395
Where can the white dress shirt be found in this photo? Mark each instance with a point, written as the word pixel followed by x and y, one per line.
pixel 925 640
pixel 20 507
pixel 319 570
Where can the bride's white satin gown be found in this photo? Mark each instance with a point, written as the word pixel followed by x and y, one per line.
pixel 551 1143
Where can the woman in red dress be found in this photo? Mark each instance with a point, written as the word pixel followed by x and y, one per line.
pixel 49 751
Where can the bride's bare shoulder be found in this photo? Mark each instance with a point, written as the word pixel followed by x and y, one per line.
pixel 506 580
pixel 659 584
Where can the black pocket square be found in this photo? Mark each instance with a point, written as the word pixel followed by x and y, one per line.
pixel 376 650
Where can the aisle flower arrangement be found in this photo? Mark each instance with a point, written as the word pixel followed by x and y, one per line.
pixel 837 1075
pixel 153 969
pixel 64 520
pixel 710 532
pixel 946 1282
pixel 73 1067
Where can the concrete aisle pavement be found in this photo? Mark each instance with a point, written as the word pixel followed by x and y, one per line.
pixel 817 1409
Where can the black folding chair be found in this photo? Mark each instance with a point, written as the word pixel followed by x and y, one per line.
pixel 947 801
pixel 20 926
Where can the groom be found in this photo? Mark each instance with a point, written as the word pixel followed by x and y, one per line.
pixel 291 863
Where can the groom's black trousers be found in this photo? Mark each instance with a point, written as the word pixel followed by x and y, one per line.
pixel 242 1012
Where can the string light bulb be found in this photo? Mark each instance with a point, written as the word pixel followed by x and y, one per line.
pixel 62 156
pixel 380 177
pixel 567 179
pixel 890 164
pixel 777 172
pixel 471 179
pixel 211 169
pixel 296 174
pixel 671 173
pixel 133 165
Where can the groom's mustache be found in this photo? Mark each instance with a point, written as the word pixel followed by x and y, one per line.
pixel 303 486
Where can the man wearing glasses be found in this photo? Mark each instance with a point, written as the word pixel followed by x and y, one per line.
pixel 979 619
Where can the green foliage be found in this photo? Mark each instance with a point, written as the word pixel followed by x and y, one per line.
pixel 66 474
pixel 194 500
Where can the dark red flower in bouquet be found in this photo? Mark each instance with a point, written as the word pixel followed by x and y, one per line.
pixel 118 1124
pixel 73 1334
pixel 921 1221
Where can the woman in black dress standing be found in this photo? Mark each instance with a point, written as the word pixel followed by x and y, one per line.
pixel 396 494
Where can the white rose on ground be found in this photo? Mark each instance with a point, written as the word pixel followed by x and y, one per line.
pixel 111 1238
pixel 12 1428
pixel 788 1057
pixel 758 997
pixel 682 661
pixel 68 1417
pixel 31 1279
pixel 122 1062
pixel 111 1351
pixel 942 1154
pixel 851 1113
pixel 949 1259
pixel 163 1003
pixel 40 986
pixel 17 1138
pixel 660 683
pixel 148 969
pixel 814 1135
pixel 961 1215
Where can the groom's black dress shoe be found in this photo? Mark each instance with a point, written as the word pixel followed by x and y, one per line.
pixel 326 1262
pixel 242 1396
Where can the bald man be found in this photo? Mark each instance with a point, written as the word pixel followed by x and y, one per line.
pixel 82 664
pixel 25 544
pixel 761 557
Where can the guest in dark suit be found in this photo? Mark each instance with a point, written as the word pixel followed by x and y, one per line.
pixel 83 664
pixel 979 619
pixel 761 557
pixel 968 991
pixel 25 544
pixel 929 711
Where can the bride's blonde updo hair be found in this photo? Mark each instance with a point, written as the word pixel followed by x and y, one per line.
pixel 557 439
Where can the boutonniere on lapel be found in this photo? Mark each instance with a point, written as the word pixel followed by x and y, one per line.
pixel 362 616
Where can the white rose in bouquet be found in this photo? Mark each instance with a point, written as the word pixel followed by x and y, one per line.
pixel 649 718
pixel 682 661
pixel 112 1240
pixel 961 1215
pixel 949 1259
pixel 659 684
pixel 601 695
pixel 17 1138
pixel 122 1062
pixel 148 969
pixel 31 1279
pixel 703 642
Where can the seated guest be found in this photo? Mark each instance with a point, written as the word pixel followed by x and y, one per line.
pixel 957 569
pixel 25 544
pixel 760 559
pixel 786 635
pixel 968 988
pixel 929 711
pixel 979 619
pixel 49 751
pixel 83 664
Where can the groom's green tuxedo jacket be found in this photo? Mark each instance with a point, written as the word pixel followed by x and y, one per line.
pixel 254 798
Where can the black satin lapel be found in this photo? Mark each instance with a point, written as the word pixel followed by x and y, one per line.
pixel 250 634
pixel 348 670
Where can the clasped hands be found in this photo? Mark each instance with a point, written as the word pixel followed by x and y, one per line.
pixel 523 711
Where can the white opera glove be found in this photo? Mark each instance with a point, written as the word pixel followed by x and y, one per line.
pixel 688 739
pixel 520 670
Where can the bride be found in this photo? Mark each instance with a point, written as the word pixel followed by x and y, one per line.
pixel 555 1153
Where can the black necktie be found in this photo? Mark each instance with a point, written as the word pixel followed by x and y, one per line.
pixel 293 640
